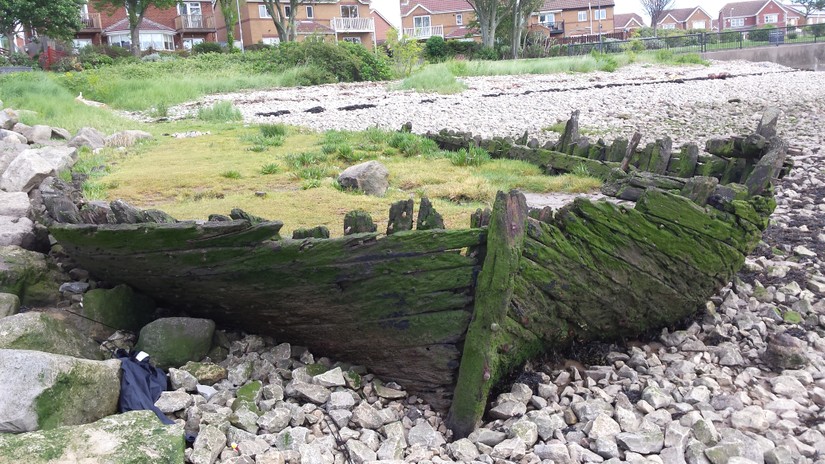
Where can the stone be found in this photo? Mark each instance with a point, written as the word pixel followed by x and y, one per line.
pixel 750 418
pixel 245 419
pixel 388 393
pixel 58 133
pixel 14 137
pixel 173 401
pixel 60 157
pixel 605 447
pixel 488 437
pixel 173 341
pixel 359 452
pixel 526 431
pixel 136 436
pixel 208 445
pixel 180 379
pixel 127 138
pixel 508 409
pixel 275 420
pixel 77 288
pixel 44 332
pixel 206 373
pixel 779 455
pixel 8 118
pixel 370 177
pixel 315 393
pixel 723 452
pixel 9 305
pixel 248 396
pixel 511 448
pixel 393 449
pixel 424 434
pixel 15 204
pixel 673 456
pixel 330 378
pixel 555 452
pixel 463 450
pixel 602 426
pixel 645 442
pixel 16 231
pixel 546 424
pixel 45 390
pixel 88 137
pixel 29 276
pixel 705 432
pixel 788 386
pixel 656 397
pixel 784 351
pixel 25 172
pixel 366 416
pixel 34 134
pixel 340 400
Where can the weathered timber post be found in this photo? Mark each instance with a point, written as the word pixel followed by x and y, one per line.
pixel 401 216
pixel 481 365
pixel 571 134
pixel 315 232
pixel 768 168
pixel 631 150
pixel 428 217
pixel 358 222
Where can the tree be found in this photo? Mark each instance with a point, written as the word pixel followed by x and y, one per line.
pixel 522 9
pixel 135 10
pixel 654 8
pixel 230 17
pixel 489 14
pixel 59 19
pixel 284 21
pixel 810 6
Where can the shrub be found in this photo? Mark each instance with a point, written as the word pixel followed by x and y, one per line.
pixel 655 44
pixel 374 66
pixel 474 156
pixel 406 53
pixel 22 59
pixel 273 130
pixel 436 49
pixel 66 64
pixel 412 145
pixel 486 53
pixel 151 58
pixel 466 49
pixel 90 59
pixel 818 30
pixel 634 45
pixel 305 159
pixel 762 34
pixel 220 112
pixel 207 47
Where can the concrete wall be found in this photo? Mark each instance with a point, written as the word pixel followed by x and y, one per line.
pixel 800 56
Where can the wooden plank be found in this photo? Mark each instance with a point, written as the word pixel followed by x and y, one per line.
pixel 481 365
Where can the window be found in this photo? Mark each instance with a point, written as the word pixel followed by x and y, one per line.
pixel 599 14
pixel 547 18
pixel 669 26
pixel 420 22
pixel 80 43
pixel 189 8
pixel 737 22
pixel 349 11
pixel 262 13
pixel 153 40
pixel 84 10
pixel 189 43
pixel 459 19
pixel 582 16
pixel 355 40
pixel 771 18
pixel 270 40
pixel 287 11
pixel 310 12
pixel 698 25
pixel 792 21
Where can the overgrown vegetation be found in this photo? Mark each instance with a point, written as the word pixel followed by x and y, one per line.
pixel 223 111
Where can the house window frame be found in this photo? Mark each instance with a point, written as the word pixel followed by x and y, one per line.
pixel 668 26
pixel 353 40
pixel 737 22
pixel 186 8
pixel 582 17
pixel 774 16
pixel 310 12
pixel 547 18
pixel 429 22
pixel 287 11
pixel 599 15
pixel 263 13
pixel 190 42
pixel 459 19
pixel 702 22
pixel 270 40
pixel 350 9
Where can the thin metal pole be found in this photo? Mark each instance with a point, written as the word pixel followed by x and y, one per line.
pixel 240 24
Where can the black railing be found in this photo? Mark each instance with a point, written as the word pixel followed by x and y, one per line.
pixel 699 42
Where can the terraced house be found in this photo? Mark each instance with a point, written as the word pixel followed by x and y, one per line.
pixel 627 22
pixel 327 20
pixel 686 19
pixel 573 18
pixel 750 15
pixel 174 28
pixel 450 19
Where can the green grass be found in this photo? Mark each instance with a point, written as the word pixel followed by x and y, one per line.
pixel 475 156
pixel 223 111
pixel 272 131
pixel 231 174
pixel 271 168
pixel 435 78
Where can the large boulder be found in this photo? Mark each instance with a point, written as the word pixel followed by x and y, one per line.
pixel 88 137
pixel 174 341
pixel 127 138
pixel 43 332
pixel 18 231
pixel 60 157
pixel 117 308
pixel 370 177
pixel 11 136
pixel 45 390
pixel 136 436
pixel 9 150
pixel 8 118
pixel 9 304
pixel 28 275
pixel 14 204
pixel 34 134
pixel 26 171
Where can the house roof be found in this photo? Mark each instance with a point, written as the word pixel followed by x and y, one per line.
pixel 744 9
pixel 145 25
pixel 623 20
pixel 311 27
pixel 679 14
pixel 436 6
pixel 550 5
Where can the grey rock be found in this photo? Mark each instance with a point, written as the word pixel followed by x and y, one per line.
pixel 88 137
pixel 34 134
pixel 526 430
pixel 173 341
pixel 779 455
pixel 366 416
pixel 8 118
pixel 275 420
pixel 788 386
pixel 546 423
pixel 556 452
pixel 673 456
pixel 489 437
pixel 181 379
pixel 206 391
pixel 359 452
pixel 127 138
pixel 340 400
pixel 173 401
pixel 705 432
pixel 751 418
pixel 656 397
pixel 341 417
pixel 463 450
pixel 424 434
pixel 602 426
pixel 59 157
pixel 45 332
pixel 26 171
pixel 508 409
pixel 729 355
pixel 605 447
pixel 511 448
pixel 392 449
pixel 315 393
pixel 292 438
pixel 11 136
pixel 16 231
pixel 723 452
pixel 330 378
pixel 645 442
pixel 74 287
pixel 785 352
pixel 370 177
pixel 9 305
pixel 388 393
pixel 15 204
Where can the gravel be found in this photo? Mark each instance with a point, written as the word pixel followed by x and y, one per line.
pixel 744 382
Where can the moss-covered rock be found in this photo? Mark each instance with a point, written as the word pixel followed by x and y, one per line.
pixel 119 307
pixel 45 391
pixel 134 437
pixel 206 373
pixel 42 332
pixel 28 275
pixel 248 396
pixel 9 304
pixel 174 341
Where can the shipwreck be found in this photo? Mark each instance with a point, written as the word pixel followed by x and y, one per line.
pixel 447 313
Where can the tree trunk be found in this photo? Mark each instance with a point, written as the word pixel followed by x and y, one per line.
pixel 516 39
pixel 135 37
pixel 9 35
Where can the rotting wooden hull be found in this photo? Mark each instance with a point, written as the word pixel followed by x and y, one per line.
pixel 448 313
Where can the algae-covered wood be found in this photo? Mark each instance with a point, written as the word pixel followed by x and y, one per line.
pixel 400 304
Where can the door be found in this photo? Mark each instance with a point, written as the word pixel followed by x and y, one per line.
pixel 422 26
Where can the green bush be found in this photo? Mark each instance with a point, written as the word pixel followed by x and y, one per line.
pixel 436 49
pixel 467 49
pixel 66 64
pixel 207 47
pixel 634 45
pixel 375 66
pixel 273 130
pixel 90 59
pixel 474 156
pixel 486 53
pixel 817 30
pixel 18 59
pixel 762 34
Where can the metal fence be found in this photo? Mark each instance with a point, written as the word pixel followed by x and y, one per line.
pixel 693 43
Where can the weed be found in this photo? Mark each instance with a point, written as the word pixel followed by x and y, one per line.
pixel 474 156
pixel 304 159
pixel 434 78
pixel 94 190
pixel 375 135
pixel 412 145
pixel 270 168
pixel 557 127
pixel 310 184
pixel 257 148
pixel 222 111
pixel 318 171
pixel 261 143
pixel 346 153
pixel 273 130
pixel 581 171
pixel 231 174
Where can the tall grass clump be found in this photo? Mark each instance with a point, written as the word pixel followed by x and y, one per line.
pixel 434 78
pixel 273 130
pixel 412 145
pixel 223 111
pixel 473 156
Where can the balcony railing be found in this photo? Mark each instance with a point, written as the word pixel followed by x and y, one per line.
pixel 195 22
pixel 353 24
pixel 424 32
pixel 90 21
pixel 555 27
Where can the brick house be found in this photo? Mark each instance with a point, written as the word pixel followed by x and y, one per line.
pixel 572 18
pixel 422 19
pixel 686 19
pixel 627 22
pixel 175 28
pixel 796 15
pixel 327 20
pixel 753 14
